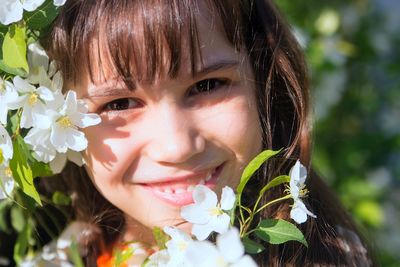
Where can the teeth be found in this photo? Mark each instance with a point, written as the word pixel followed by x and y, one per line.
pixel 180 191
pixel 168 191
pixel 190 188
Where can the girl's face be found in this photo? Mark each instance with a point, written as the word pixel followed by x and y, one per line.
pixel 158 141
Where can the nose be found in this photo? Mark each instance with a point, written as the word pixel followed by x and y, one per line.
pixel 175 137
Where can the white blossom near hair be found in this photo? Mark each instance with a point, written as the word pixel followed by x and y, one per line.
pixel 177 246
pixel 61 159
pixel 298 175
pixel 32 101
pixel 6 146
pixel 206 214
pixel 158 259
pixel 228 252
pixel 8 94
pixel 64 131
pixel 12 10
pixel 6 181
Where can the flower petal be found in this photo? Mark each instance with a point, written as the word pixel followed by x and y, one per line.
pixel 45 93
pixel 228 198
pixel 201 231
pixel 58 138
pixel 71 102
pixel 76 140
pixel 32 5
pixel 204 196
pixel 6 145
pixel 22 85
pixel 58 163
pixel 220 223
pixel 6 182
pixel 202 254
pixel 193 214
pixel 230 246
pixel 85 120
pixel 37 56
pixel 299 212
pixel 75 157
pixel 10 11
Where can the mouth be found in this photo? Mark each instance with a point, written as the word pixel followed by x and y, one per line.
pixel 179 192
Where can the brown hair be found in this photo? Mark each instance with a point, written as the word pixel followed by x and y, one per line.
pixel 283 94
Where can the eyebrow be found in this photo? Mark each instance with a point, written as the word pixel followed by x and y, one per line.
pixel 216 66
pixel 114 88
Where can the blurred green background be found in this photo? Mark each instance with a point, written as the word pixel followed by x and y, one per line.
pixel 354 60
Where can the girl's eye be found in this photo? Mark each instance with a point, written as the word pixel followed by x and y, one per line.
pixel 121 104
pixel 207 86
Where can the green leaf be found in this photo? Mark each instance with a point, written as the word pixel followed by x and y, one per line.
pixel 253 166
pixel 60 198
pixel 251 246
pixel 40 169
pixel 121 256
pixel 14 48
pixel 274 182
pixel 75 256
pixel 4 207
pixel 22 244
pixel 276 231
pixel 21 170
pixel 18 219
pixel 42 16
pixel 14 71
pixel 160 237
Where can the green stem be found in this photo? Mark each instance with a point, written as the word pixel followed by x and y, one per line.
pixel 272 202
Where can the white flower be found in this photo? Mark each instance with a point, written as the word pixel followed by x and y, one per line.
pixel 158 259
pixel 59 2
pixel 39 140
pixel 64 131
pixel 298 175
pixel 60 160
pixel 8 94
pixel 32 100
pixel 12 10
pixel 139 255
pixel 228 252
pixel 6 181
pixel 206 214
pixel 6 146
pixel 177 246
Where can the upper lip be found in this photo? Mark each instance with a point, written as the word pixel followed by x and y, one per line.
pixel 178 178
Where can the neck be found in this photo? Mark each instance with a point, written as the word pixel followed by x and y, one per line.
pixel 137 232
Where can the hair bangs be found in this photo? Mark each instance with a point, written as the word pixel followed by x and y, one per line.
pixel 135 41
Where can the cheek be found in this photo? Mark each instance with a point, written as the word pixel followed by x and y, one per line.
pixel 236 125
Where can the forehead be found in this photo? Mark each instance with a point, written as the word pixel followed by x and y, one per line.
pixel 149 49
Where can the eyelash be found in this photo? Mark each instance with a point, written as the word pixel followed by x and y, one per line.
pixel 115 105
pixel 205 86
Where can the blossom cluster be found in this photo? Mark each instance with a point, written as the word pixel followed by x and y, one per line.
pixel 206 215
pixel 12 10
pixel 51 120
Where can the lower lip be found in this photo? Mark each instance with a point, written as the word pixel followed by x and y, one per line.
pixel 184 198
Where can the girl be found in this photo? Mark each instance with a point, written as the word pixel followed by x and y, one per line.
pixel 189 92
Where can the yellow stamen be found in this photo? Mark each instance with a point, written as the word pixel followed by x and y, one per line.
pixel 33 98
pixel 8 172
pixel 2 86
pixel 65 122
pixel 216 211
pixel 1 156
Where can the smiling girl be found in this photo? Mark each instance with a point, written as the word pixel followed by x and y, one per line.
pixel 189 92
